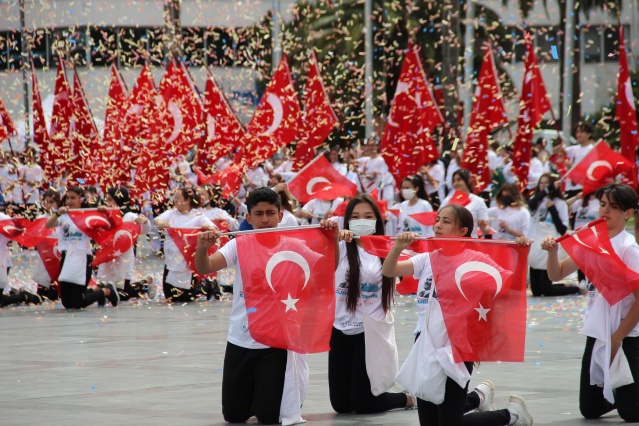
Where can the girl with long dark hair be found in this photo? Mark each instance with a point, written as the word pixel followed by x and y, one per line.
pixel 415 199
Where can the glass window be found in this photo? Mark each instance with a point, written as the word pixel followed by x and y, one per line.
pixel 548 44
pixel 591 38
pixel 39 47
pixel 58 45
pixel 156 45
pixel 103 45
pixel 77 43
pixel 133 46
pixel 193 46
pixel 611 42
pixel 219 47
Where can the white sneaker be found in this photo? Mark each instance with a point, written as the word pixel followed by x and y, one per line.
pixel 519 415
pixel 486 391
pixel 152 288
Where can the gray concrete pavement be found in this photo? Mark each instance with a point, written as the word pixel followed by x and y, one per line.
pixel 149 363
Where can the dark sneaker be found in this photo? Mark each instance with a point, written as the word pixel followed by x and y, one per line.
pixel 114 296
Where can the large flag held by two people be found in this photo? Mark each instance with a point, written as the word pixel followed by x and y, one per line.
pixel 481 288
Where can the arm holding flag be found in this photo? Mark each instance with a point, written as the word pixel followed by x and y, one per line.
pixel 392 267
pixel 343 235
pixel 205 264
pixel 557 270
pixel 52 222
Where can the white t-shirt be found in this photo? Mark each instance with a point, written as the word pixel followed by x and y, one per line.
pixel 438 173
pixel 318 207
pixel 340 167
pixel 517 218
pixel 453 166
pixel 369 301
pixel 535 170
pixel 30 193
pixel 5 255
pixel 477 208
pixel 288 219
pixel 408 224
pixel 423 272
pixel 626 248
pixel 585 215
pixel 173 258
pixel 238 322
pixel 575 153
pixel 367 167
pixel 70 237
pixel 543 215
pixel 216 213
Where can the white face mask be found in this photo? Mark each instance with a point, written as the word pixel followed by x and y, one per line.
pixel 407 194
pixel 362 227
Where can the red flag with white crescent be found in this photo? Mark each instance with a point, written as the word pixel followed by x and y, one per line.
pixel 407 144
pixel 276 121
pixel 626 111
pixel 24 232
pixel 185 240
pixel 488 114
pixel 224 132
pixel 50 256
pixel 319 117
pixel 590 248
pixel 289 287
pixel 599 167
pixel 99 226
pixel 121 241
pixel 7 128
pixel 229 179
pixel 319 179
pixel 533 104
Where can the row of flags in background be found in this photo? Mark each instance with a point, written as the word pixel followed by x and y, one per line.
pixel 148 127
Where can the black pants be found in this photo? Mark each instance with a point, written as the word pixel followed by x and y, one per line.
pixel 78 296
pixel 11 298
pixel 50 293
pixel 181 295
pixel 541 285
pixel 456 403
pixel 435 202
pixel 132 290
pixel 252 384
pixel 592 403
pixel 348 383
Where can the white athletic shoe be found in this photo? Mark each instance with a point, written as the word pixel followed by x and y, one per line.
pixel 486 391
pixel 519 415
pixel 152 288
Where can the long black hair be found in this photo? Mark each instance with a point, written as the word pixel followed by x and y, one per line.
pixel 121 197
pixel 354 263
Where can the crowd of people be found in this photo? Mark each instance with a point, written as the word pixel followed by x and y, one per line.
pixel 549 208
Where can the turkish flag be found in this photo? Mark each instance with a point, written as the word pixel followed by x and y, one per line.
pixel 25 232
pixel 6 125
pixel 50 255
pixel 40 132
pixel 289 287
pixel 132 129
pixel 533 104
pixel 319 179
pixel 487 115
pixel 61 152
pixel 185 110
pixel 224 132
pixel 112 152
pixel 381 245
pixel 626 112
pixel 319 117
pixel 185 240
pixel 599 167
pixel 407 144
pixel 395 212
pixel 425 218
pixel 590 248
pixel 481 287
pixel 101 227
pixel 85 139
pixel 112 248
pixel 460 198
pixel 408 285
pixel 229 179
pixel 276 121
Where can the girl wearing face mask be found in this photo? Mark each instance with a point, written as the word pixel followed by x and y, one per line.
pixel 359 288
pixel 415 201
pixel 511 219
pixel 462 181
pixel 452 221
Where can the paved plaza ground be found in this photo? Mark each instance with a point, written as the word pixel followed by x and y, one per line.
pixel 148 363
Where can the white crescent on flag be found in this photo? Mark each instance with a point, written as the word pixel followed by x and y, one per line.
pixel 210 128
pixel 287 256
pixel 176 113
pixel 278 114
pixel 124 232
pixel 88 219
pixel 594 165
pixel 479 267
pixel 311 183
pixel 402 87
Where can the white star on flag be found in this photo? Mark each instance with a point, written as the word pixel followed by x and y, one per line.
pixel 482 313
pixel 290 303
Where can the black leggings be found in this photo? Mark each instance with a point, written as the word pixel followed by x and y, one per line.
pixel 78 296
pixel 252 384
pixel 592 403
pixel 457 401
pixel 132 290
pixel 541 285
pixel 181 295
pixel 348 383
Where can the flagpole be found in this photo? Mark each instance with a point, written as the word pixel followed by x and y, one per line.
pixel 462 240
pixel 265 230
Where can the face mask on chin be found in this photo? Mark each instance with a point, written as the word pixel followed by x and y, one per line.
pixel 362 227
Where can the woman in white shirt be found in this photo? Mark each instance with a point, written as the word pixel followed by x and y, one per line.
pixel 597 396
pixel 179 283
pixel 360 289
pixel 210 198
pixel 119 271
pixel 462 181
pixel 415 201
pixel 510 219
pixel 76 256
pixel 549 217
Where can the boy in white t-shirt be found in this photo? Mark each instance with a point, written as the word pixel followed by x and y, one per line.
pixel 253 380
